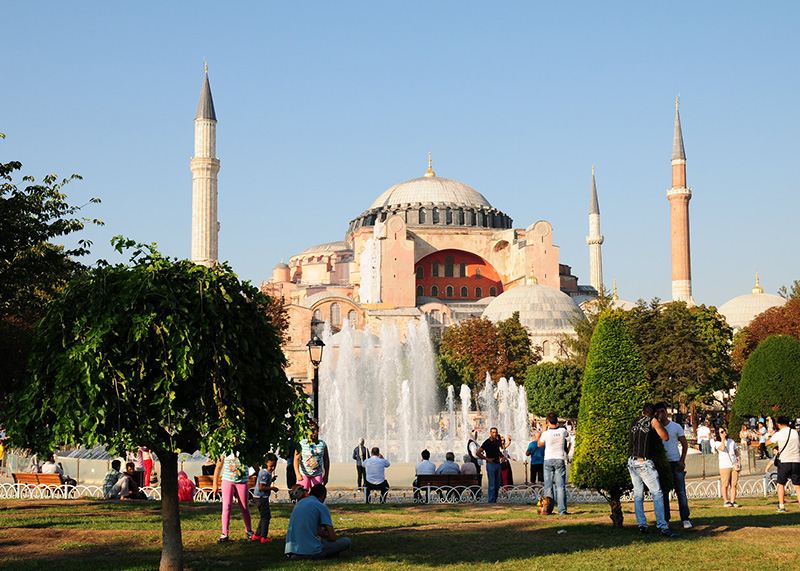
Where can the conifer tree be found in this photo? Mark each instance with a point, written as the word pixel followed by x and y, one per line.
pixel 614 388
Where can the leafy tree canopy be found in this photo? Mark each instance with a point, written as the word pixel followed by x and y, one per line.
pixel 163 353
pixel 792 292
pixel 783 320
pixel 554 387
pixel 33 269
pixel 516 342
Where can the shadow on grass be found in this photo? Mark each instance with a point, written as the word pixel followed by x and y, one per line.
pixel 430 537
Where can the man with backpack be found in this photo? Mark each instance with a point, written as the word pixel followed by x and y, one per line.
pixel 789 453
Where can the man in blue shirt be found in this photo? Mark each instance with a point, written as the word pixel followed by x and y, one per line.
pixel 311 534
pixel 449 466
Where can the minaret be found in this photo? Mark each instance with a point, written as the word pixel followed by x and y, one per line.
pixel 679 196
pixel 205 166
pixel 594 239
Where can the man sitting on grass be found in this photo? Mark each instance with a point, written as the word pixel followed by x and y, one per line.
pixel 112 477
pixel 310 534
pixel 126 487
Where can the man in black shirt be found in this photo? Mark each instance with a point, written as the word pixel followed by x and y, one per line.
pixel 643 434
pixel 490 452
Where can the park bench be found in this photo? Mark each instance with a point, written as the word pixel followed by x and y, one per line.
pixel 40 482
pixel 452 484
pixel 205 483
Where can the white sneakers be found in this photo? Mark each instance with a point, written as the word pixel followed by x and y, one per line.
pixel 687 524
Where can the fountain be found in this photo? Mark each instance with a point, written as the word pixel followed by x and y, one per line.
pixel 385 392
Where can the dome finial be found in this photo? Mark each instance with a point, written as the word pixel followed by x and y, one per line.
pixel 758 288
pixel 677 99
pixel 430 172
pixel 533 279
pixel 615 296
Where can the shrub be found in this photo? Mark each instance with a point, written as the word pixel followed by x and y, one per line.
pixel 554 387
pixel 770 384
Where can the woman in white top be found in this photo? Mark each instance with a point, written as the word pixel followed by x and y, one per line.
pixel 729 466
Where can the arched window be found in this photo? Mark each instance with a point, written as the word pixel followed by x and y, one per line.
pixel 477 272
pixel 318 315
pixel 336 314
pixel 448 216
pixel 420 290
pixel 420 272
pixel 448 267
pixel 435 316
pixel 422 216
pixel 462 269
pixel 435 215
pixel 479 292
pixel 464 291
pixel 545 348
pixel 434 291
pixel 493 291
pixel 445 319
pixel 435 269
pixel 461 217
pixel 449 291
pixel 352 317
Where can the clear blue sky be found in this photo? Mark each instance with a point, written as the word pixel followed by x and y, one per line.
pixel 324 105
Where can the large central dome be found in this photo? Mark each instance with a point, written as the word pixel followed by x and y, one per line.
pixel 431 189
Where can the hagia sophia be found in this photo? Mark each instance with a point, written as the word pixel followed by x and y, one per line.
pixel 434 248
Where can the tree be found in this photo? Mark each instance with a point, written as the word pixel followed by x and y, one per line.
pixel 554 387
pixel 33 270
pixel 685 350
pixel 783 320
pixel 165 353
pixel 578 345
pixel 770 384
pixel 516 341
pixel 472 348
pixel 614 389
pixel 792 292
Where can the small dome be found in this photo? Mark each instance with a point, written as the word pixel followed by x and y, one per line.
pixel 431 189
pixel 281 266
pixel 740 311
pixel 542 309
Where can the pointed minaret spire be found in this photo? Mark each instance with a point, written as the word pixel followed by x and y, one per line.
pixel 205 166
pixel 679 196
pixel 595 239
pixel 677 141
pixel 205 107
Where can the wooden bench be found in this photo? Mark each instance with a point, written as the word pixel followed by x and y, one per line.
pixel 452 484
pixel 206 483
pixel 41 481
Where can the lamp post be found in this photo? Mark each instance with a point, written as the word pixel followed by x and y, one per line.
pixel 315 356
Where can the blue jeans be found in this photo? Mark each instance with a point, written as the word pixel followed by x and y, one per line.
pixel 643 473
pixel 493 473
pixel 705 447
pixel 679 477
pixel 556 470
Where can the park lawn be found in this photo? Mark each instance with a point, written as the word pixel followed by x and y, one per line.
pixel 95 535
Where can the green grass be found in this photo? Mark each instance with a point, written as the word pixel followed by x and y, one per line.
pixel 95 535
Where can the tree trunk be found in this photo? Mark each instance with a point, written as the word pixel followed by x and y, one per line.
pixel 172 542
pixel 615 501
